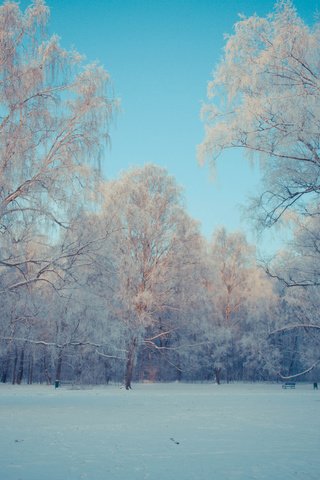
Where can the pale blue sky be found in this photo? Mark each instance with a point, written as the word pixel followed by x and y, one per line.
pixel 160 54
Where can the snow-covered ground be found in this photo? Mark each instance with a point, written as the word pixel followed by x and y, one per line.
pixel 160 432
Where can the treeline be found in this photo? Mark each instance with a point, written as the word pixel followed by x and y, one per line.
pixel 135 292
pixel 111 280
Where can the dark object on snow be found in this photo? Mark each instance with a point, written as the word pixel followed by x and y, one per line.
pixel 289 385
pixel 315 386
pixel 56 384
pixel 174 441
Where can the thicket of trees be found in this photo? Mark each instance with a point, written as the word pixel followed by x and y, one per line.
pixel 112 281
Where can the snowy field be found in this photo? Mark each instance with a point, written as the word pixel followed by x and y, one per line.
pixel 160 432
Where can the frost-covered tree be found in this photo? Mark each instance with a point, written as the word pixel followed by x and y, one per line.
pixel 299 264
pixel 259 357
pixel 298 271
pixel 233 262
pixel 243 304
pixel 54 115
pixel 264 99
pixel 154 249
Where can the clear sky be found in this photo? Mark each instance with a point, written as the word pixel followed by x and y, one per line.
pixel 160 54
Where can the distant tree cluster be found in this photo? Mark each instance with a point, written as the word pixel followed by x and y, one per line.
pixel 111 280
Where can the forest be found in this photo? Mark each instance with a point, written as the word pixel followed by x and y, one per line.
pixel 111 280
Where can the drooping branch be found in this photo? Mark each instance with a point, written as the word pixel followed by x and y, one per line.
pixel 54 344
pixel 288 328
pixel 267 104
pixel 292 283
pixel 297 375
pixel 47 214
pixel 61 346
pixel 162 334
pixel 27 282
pixel 104 355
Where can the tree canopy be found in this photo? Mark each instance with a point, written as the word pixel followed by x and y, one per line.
pixel 54 118
pixel 264 98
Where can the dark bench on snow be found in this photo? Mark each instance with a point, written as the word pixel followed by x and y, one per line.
pixel 61 383
pixel 289 385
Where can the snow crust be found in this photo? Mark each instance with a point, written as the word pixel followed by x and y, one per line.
pixel 160 431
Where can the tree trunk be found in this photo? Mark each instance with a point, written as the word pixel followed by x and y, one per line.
pixel 217 372
pixel 5 371
pixel 15 361
pixel 107 372
pixel 293 356
pixel 21 367
pixel 130 364
pixel 30 369
pixel 46 371
pixel 6 363
pixel 59 367
pixel 78 373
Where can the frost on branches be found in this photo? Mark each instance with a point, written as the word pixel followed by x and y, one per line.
pixel 155 247
pixel 264 98
pixel 54 119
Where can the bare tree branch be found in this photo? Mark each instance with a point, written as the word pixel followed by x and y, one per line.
pixel 297 375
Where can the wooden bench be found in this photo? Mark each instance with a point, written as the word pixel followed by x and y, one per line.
pixel 289 385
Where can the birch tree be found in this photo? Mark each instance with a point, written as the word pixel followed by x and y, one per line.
pixel 264 99
pixel 54 120
pixel 154 251
pixel 54 116
pixel 298 271
pixel 232 263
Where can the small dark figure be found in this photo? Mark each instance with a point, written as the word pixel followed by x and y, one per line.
pixel 315 386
